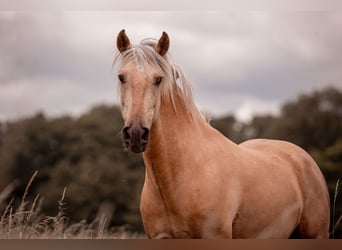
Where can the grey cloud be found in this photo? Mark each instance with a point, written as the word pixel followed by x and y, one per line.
pixel 231 57
pixel 35 45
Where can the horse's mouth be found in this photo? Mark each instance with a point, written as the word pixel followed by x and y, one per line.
pixel 138 148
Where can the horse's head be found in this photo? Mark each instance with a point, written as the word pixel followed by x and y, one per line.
pixel 142 72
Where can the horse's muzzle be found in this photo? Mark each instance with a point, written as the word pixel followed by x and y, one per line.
pixel 136 138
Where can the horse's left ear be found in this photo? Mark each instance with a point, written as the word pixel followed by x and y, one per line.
pixel 163 44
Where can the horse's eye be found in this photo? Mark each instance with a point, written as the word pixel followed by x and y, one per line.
pixel 122 78
pixel 158 80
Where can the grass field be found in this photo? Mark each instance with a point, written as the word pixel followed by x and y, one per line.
pixel 26 221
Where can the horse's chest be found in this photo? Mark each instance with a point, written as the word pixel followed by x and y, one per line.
pixel 188 215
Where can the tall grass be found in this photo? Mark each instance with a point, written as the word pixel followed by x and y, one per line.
pixel 335 224
pixel 27 222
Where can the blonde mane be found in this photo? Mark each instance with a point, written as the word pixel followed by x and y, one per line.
pixel 174 82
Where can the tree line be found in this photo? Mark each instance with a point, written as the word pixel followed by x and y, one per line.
pixel 86 155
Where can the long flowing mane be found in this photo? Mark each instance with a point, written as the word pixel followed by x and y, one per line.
pixel 174 83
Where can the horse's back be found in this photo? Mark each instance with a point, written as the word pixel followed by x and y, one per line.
pixel 314 222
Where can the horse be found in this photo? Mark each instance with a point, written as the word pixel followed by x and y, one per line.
pixel 198 183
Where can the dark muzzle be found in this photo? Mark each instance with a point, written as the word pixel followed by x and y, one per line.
pixel 136 138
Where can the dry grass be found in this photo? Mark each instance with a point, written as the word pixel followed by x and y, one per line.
pixel 26 221
pixel 335 223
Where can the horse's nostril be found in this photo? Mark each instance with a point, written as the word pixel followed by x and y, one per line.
pixel 125 133
pixel 145 134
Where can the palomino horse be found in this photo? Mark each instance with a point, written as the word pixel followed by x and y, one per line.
pixel 199 184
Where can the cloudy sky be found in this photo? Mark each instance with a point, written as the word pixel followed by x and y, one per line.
pixel 244 62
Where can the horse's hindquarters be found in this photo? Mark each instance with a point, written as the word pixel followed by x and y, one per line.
pixel 298 182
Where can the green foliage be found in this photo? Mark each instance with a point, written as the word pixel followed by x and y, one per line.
pixel 228 126
pixel 85 155
pixel 330 161
pixel 313 121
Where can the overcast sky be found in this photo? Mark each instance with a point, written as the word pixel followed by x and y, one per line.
pixel 242 62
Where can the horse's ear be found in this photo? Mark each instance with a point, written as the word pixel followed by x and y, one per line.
pixel 122 41
pixel 163 44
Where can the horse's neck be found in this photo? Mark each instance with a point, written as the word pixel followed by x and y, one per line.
pixel 172 135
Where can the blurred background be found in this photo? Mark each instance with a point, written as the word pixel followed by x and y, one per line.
pixel 260 74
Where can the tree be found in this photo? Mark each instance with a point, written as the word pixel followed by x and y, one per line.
pixel 229 127
pixel 85 155
pixel 312 121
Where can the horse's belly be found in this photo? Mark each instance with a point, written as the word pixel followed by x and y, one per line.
pixel 276 226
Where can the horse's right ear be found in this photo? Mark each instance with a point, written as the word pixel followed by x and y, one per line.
pixel 122 41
